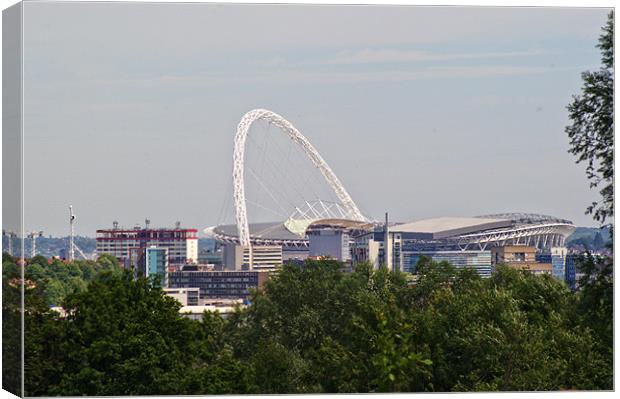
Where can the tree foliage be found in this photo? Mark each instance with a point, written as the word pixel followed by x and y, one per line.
pixel 591 131
pixel 122 338
pixel 316 329
pixel 57 278
pixel 596 298
pixel 11 326
pixel 513 332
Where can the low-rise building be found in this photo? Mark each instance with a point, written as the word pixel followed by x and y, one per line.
pixel 329 242
pixel 219 284
pixel 564 265
pixel 197 312
pixel 185 296
pixel 264 257
pixel 521 257
pixel 513 254
pixel 480 261
pixel 404 253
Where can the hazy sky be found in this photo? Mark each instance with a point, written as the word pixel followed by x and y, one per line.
pixel 131 109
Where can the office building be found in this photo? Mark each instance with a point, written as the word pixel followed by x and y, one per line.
pixel 181 243
pixel 562 262
pixel 572 276
pixel 156 264
pixel 329 243
pixel 513 254
pixel 185 296
pixel 370 247
pixel 219 284
pixel 558 260
pixel 148 262
pixel 522 257
pixel 264 257
pixel 480 261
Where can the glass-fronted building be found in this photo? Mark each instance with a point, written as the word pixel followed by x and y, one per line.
pixel 406 252
pixel 157 263
pixel 571 271
pixel 219 284
pixel 468 242
pixel 152 262
pixel 558 260
pixel 564 267
pixel 477 260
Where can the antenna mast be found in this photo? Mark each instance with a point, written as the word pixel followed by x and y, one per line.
pixel 71 234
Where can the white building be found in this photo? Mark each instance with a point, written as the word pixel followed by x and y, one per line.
pixel 182 244
pixel 264 257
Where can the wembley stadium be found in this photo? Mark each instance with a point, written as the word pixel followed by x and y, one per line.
pixel 340 217
pixel 480 232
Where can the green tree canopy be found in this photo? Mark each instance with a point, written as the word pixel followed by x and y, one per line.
pixel 316 329
pixel 591 131
pixel 123 338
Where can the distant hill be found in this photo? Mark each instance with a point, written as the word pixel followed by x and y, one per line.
pixel 591 238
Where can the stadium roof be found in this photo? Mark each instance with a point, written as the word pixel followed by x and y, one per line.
pixel 437 228
pixel 521 218
pixel 271 230
pixel 504 228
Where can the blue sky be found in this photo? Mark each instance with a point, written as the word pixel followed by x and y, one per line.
pixel 420 111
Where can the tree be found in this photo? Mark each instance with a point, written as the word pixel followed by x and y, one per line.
pixel 592 140
pixel 123 337
pixel 513 331
pixel 316 329
pixel 598 242
pixel 595 305
pixel 11 326
pixel 38 259
pixel 592 130
pixel 331 332
pixel 107 261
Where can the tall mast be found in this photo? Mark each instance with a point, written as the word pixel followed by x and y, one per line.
pixel 387 249
pixel 71 234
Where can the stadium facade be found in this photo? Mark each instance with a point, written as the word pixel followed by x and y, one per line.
pixel 463 241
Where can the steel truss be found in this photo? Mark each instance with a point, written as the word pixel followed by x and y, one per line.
pixel 255 241
pixel 540 236
pixel 238 168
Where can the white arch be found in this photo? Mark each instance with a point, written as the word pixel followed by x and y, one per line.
pixel 238 168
